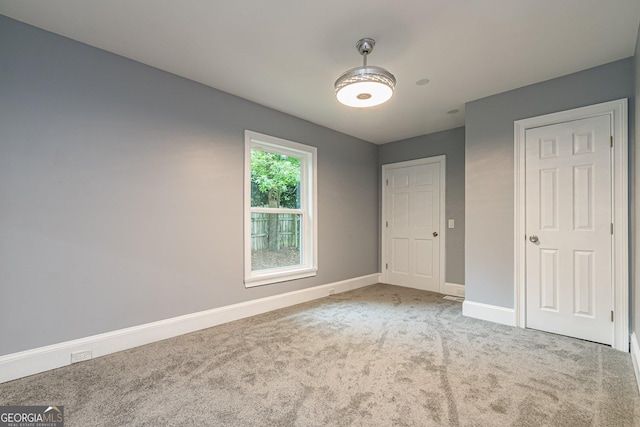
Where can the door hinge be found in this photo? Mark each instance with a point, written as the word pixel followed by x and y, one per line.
pixel 386 266
pixel 611 140
pixel 612 315
pixel 612 229
pixel 387 224
pixel 387 184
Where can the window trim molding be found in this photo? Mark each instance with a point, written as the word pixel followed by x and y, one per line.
pixel 308 154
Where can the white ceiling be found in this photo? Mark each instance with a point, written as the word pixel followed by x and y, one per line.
pixel 286 54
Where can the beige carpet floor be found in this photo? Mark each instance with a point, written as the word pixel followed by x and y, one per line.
pixel 377 356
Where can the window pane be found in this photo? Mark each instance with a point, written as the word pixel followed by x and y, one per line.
pixel 275 240
pixel 275 180
pixel 280 203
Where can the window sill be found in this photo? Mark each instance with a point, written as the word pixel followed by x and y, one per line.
pixel 267 278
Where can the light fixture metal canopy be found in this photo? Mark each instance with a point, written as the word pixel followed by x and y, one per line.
pixel 365 86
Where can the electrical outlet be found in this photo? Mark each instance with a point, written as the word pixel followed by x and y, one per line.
pixel 332 291
pixel 80 356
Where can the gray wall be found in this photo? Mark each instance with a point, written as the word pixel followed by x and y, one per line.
pixel 451 144
pixel 489 176
pixel 635 266
pixel 121 193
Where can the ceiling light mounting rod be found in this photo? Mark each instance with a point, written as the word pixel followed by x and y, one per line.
pixel 365 47
pixel 365 86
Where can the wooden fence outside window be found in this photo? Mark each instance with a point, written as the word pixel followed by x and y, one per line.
pixel 287 233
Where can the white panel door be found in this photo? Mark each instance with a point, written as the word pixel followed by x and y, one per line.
pixel 412 204
pixel 568 223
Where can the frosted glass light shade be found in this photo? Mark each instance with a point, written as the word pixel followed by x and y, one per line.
pixel 365 87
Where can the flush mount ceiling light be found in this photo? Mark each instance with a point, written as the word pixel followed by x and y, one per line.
pixel 365 86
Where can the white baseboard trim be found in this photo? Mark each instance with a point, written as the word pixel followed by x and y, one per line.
pixel 635 357
pixel 492 313
pixel 453 289
pixel 29 362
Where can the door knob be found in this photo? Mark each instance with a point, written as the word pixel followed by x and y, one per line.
pixel 533 239
pixel 435 234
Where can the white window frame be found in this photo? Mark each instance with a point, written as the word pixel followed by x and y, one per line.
pixel 308 209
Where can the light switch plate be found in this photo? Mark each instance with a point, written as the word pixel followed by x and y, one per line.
pixel 451 223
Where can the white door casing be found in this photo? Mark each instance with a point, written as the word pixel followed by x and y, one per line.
pixel 413 223
pixel 568 217
pixel 617 115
